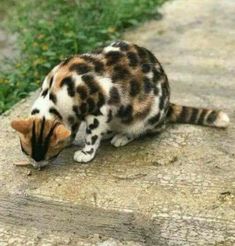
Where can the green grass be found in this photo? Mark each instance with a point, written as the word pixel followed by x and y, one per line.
pixel 50 30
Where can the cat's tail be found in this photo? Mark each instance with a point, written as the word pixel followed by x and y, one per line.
pixel 198 116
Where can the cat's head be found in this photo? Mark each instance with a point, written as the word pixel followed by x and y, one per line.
pixel 41 140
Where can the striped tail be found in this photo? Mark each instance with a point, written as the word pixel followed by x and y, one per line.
pixel 198 116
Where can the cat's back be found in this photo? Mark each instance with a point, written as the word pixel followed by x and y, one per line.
pixel 123 62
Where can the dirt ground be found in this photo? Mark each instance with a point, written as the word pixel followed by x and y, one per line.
pixel 177 188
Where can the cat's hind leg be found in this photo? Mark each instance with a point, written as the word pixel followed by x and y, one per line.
pixel 136 131
pixel 121 139
pixel 128 133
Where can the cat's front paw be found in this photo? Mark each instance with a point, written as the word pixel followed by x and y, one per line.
pixel 120 140
pixel 83 156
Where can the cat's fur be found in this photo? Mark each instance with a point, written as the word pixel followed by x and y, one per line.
pixel 120 90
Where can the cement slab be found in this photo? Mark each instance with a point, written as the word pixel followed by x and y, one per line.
pixel 177 188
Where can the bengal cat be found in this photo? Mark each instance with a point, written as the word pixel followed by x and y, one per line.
pixel 120 90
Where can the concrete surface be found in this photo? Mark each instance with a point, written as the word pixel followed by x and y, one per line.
pixel 174 189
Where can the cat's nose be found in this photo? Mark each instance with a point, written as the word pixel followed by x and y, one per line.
pixel 37 159
pixel 38 156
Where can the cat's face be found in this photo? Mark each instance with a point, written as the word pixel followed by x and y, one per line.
pixel 41 140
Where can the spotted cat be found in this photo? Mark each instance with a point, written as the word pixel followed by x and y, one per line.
pixel 120 91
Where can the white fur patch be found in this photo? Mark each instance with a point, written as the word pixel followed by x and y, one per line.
pixel 111 48
pixel 54 70
pixel 105 83
pixel 45 83
pixel 120 140
pixel 149 75
pixel 43 104
pixel 155 106
pixel 79 156
pixel 77 79
pixel 222 120
pixel 65 104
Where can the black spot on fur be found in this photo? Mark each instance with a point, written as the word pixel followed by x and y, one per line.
pixel 101 100
pixel 165 89
pixel 153 120
pixel 113 57
pixel 134 87
pixel 97 112
pixel 183 115
pixel 83 108
pixel 114 96
pixel 145 55
pixel 133 59
pixel 52 97
pixel 170 111
pixel 194 114
pixel 156 90
pixel 122 45
pixel 74 129
pixel 80 68
pixel 44 93
pixel 161 103
pixel 156 75
pixel 142 54
pixel 51 81
pixel 56 113
pixel 94 125
pixel 71 120
pixel 125 113
pixel 93 139
pixel 90 82
pixel 110 116
pixel 98 65
pixel 120 73
pixel 68 81
pixel 91 105
pixel 88 130
pixel 146 68
pixel 77 112
pixel 147 85
pixel 212 117
pixel 82 91
pixel 35 111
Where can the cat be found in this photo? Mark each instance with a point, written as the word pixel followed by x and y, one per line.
pixel 120 91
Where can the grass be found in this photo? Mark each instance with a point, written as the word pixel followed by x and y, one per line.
pixel 54 29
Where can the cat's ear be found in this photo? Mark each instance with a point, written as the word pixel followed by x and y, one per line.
pixel 22 125
pixel 61 133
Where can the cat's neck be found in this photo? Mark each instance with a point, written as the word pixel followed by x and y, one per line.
pixel 45 107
